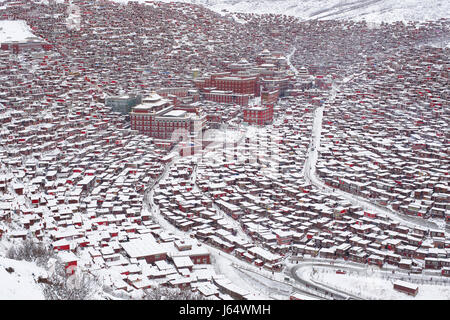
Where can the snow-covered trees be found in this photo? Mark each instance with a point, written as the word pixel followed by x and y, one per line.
pixel 31 251
pixel 162 293
pixel 59 284
pixel 63 286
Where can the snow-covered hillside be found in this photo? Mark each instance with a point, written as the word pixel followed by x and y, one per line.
pixel 370 10
pixel 14 30
pixel 19 282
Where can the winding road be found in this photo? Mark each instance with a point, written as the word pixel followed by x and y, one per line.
pixel 309 173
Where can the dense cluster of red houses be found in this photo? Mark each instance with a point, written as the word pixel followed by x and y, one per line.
pixel 159 118
pixel 185 206
pixel 268 78
pixel 281 214
pixel 384 137
pixel 285 214
pixel 74 174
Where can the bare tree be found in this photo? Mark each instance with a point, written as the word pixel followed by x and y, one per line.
pixel 161 293
pixel 30 251
pixel 63 286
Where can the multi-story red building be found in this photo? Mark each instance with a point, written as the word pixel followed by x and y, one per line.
pixel 209 82
pixel 179 95
pixel 242 84
pixel 227 97
pixel 268 78
pixel 276 83
pixel 18 41
pixel 259 115
pixel 238 84
pixel 269 97
pixel 270 72
pixel 275 58
pixel 158 118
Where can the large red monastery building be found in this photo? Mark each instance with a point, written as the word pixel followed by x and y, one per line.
pixel 158 118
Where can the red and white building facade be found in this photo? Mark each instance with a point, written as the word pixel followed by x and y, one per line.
pixel 259 115
pixel 227 97
pixel 158 118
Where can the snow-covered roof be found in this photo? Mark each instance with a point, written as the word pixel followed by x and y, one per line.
pixel 138 248
pixel 182 262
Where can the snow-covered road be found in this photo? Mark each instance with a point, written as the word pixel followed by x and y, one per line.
pixel 299 272
pixel 288 60
pixel 309 173
pixel 302 274
pixel 225 264
pixel 358 281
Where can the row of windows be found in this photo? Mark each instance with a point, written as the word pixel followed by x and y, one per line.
pixel 162 124
pixel 235 87
pixel 149 119
pixel 256 118
pixel 228 96
pixel 255 113
pixel 236 82
pixel 159 128
pixel 141 118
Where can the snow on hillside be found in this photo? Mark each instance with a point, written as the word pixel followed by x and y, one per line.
pixel 20 283
pixel 370 10
pixel 14 30
pixel 376 287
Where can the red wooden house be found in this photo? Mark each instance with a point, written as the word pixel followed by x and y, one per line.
pixel 61 245
pixel 69 260
pixel 405 287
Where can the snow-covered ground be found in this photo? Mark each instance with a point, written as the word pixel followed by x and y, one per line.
pixel 369 10
pixel 376 286
pixel 288 60
pixel 20 284
pixel 14 30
